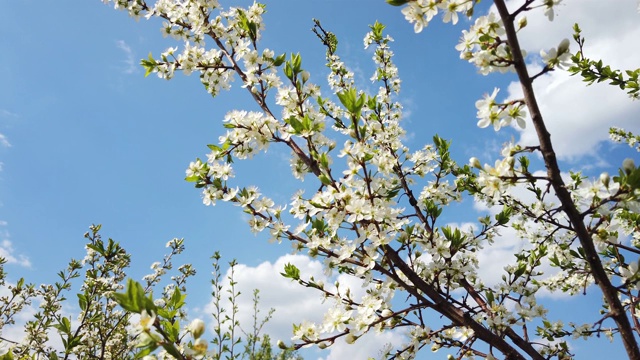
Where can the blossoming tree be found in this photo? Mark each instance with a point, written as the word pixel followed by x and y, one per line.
pixel 376 213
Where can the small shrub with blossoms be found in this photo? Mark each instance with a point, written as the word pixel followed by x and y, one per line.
pixel 118 321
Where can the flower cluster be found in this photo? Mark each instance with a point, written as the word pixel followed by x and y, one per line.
pixel 421 12
pixel 483 45
pixel 557 58
pixel 499 115
pixel 620 135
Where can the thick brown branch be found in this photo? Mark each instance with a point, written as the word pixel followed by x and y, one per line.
pixel 553 171
pixel 457 316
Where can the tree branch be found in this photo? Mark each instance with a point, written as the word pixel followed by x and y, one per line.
pixel 597 270
pixel 460 318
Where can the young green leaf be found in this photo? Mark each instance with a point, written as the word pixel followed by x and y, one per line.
pixel 291 272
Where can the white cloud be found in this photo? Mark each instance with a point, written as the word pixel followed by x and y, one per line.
pixel 493 258
pixel 3 141
pixel 578 117
pixel 16 332
pixel 4 113
pixel 368 346
pixel 130 63
pixel 7 251
pixel 294 303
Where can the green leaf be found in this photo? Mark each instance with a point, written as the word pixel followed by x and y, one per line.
pixel 73 342
pixel 248 26
pixel 288 71
pixel 576 28
pixel 347 98
pixel 96 248
pixel 171 349
pixel 324 160
pixel 295 124
pixel 291 272
pixel 377 29
pixel 352 102
pixel 177 299
pixel 64 326
pixel 146 351
pixel 166 313
pixel 171 329
pixel 134 298
pixel 392 193
pixel 296 62
pixel 149 65
pixel 307 124
pixel 325 179
pixel 490 297
pixel 279 60
pixel 372 103
pixel 397 2
pixel 359 104
pixel 502 218
pixel 432 208
pixel 519 271
pixel 524 163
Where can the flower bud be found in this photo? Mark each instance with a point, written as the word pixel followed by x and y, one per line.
pixel 563 47
pixel 282 345
pixel 604 179
pixel 474 162
pixel 628 165
pixel 305 76
pixel 386 313
pixel 522 22
pixel 350 339
pixel 196 328
pixel 322 345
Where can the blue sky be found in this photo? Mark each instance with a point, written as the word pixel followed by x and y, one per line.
pixel 85 138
